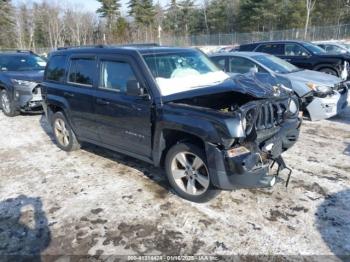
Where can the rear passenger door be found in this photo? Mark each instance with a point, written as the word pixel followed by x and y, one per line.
pixel 124 121
pixel 79 92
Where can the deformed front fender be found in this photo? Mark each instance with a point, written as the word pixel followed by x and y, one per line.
pixel 215 130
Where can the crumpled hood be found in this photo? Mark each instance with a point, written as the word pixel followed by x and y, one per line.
pixel 319 78
pixel 259 85
pixel 34 76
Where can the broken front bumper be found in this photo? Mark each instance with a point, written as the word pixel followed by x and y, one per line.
pixel 326 107
pixel 28 99
pixel 248 169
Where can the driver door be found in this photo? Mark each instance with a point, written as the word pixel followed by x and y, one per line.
pixel 124 121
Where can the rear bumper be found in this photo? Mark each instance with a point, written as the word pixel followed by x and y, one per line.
pixel 249 170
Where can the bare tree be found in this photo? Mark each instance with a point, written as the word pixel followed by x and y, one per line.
pixel 310 5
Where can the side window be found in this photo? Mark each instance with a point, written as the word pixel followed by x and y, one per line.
pixel 241 65
pixel 115 75
pixel 81 71
pixel 274 49
pixel 55 70
pixel 333 49
pixel 295 50
pixel 220 62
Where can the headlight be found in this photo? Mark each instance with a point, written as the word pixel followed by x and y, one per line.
pixel 21 83
pixel 319 88
pixel 293 107
pixel 248 121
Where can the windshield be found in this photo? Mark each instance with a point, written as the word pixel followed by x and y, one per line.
pixel 276 64
pixel 316 50
pixel 21 63
pixel 182 71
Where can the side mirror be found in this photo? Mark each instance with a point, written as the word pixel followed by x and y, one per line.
pixel 133 88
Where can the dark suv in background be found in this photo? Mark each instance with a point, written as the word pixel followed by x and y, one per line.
pixel 172 107
pixel 304 55
pixel 21 72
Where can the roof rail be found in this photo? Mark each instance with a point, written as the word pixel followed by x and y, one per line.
pixel 24 51
pixel 105 46
pixel 16 51
pixel 141 45
pixel 81 46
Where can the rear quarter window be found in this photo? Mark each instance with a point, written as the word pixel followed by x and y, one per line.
pixel 82 71
pixel 56 69
pixel 274 49
pixel 248 47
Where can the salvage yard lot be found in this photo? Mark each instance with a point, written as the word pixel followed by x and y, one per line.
pixel 96 202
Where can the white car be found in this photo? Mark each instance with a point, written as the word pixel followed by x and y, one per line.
pixel 321 95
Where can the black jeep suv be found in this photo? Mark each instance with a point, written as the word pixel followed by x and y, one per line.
pixel 171 107
pixel 304 55
pixel 20 75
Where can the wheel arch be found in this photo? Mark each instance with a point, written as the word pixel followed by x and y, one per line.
pixel 328 66
pixel 171 137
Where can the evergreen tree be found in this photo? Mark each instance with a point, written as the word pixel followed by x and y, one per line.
pixel 110 11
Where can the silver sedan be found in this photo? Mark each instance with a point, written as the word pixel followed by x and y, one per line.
pixel 322 95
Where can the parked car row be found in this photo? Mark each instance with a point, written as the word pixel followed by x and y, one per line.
pixel 210 128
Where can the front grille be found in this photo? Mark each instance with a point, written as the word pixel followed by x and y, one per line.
pixel 270 115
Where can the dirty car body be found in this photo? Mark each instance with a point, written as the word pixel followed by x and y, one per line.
pixel 321 95
pixel 241 125
pixel 20 75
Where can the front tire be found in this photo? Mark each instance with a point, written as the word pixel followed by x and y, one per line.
pixel 63 133
pixel 329 71
pixel 187 172
pixel 7 105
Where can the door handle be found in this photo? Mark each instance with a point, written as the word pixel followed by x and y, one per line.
pixel 288 60
pixel 102 102
pixel 66 94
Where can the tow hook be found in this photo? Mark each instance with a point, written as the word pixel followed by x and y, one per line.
pixel 282 166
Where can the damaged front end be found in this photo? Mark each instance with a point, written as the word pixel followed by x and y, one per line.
pixel 323 105
pixel 256 119
pixel 271 126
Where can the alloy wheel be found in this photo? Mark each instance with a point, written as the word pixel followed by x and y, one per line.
pixel 190 173
pixel 5 103
pixel 61 132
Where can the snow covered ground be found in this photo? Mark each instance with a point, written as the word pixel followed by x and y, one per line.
pixel 96 202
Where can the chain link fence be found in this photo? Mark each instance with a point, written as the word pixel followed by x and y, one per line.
pixel 313 34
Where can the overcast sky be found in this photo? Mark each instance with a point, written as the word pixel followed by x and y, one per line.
pixel 88 5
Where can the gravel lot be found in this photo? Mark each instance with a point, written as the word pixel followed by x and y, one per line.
pixel 96 202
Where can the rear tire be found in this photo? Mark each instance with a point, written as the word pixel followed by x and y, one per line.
pixel 63 133
pixel 187 172
pixel 7 105
pixel 329 71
